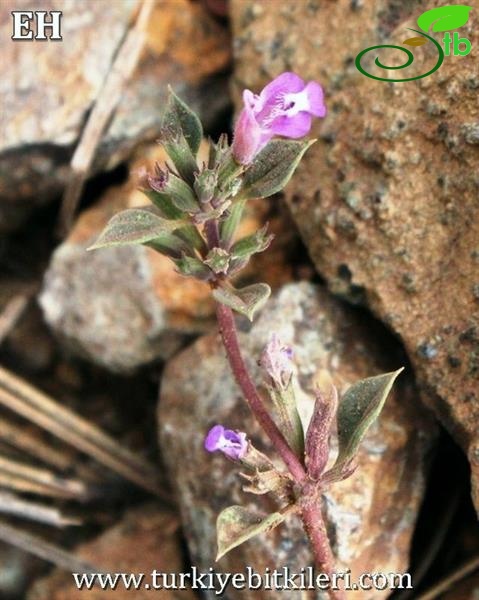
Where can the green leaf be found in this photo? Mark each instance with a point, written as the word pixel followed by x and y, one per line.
pixel 236 525
pixel 180 118
pixel 358 409
pixel 193 267
pixel 286 407
pixel 180 153
pixel 164 204
pixel 192 237
pixel 169 245
pixel 134 226
pixel 444 18
pixel 252 244
pixel 181 195
pixel 246 301
pixel 230 224
pixel 273 168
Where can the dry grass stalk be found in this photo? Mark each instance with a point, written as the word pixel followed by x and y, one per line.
pixel 106 103
pixel 25 400
pixel 34 511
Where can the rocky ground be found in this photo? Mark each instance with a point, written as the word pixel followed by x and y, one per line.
pixel 375 264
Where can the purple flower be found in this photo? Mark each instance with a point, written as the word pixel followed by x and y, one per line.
pixel 286 106
pixel 276 359
pixel 231 443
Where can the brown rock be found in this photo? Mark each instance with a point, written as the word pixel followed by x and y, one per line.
pixel 386 201
pixel 47 89
pixel 371 516
pixel 124 307
pixel 146 539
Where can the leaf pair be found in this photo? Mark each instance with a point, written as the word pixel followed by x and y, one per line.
pixel 247 300
pixel 358 409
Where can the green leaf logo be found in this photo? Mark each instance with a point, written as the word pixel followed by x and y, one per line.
pixel 444 18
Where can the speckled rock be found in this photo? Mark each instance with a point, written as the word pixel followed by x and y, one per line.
pixel 386 201
pixel 371 516
pixel 147 538
pixel 48 88
pixel 124 307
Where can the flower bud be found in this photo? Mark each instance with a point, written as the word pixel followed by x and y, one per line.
pixel 276 359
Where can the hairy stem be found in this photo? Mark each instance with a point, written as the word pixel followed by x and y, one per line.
pixel 229 336
pixel 315 528
pixel 310 509
pixel 212 234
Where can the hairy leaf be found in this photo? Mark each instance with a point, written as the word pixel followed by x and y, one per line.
pixel 273 168
pixel 229 225
pixel 193 267
pixel 179 117
pixel 252 244
pixel 286 407
pixel 358 409
pixel 134 226
pixel 164 203
pixel 246 301
pixel 236 525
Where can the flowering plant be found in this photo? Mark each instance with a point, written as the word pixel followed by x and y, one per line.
pixel 194 221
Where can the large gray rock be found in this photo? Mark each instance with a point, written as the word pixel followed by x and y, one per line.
pixel 48 88
pixel 371 516
pixel 386 201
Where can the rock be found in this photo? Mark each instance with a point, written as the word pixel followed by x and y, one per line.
pixel 48 89
pixel 146 539
pixel 386 201
pixel 124 307
pixel 371 516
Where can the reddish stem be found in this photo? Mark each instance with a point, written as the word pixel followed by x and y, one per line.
pixel 316 530
pixel 310 508
pixel 229 336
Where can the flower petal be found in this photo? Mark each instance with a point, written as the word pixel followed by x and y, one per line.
pixel 286 83
pixel 316 99
pixel 247 136
pixel 292 127
pixel 212 440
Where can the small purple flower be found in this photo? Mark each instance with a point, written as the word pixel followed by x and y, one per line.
pixel 286 107
pixel 276 359
pixel 233 444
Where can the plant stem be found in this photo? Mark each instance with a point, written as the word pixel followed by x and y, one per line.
pixel 229 336
pixel 212 234
pixel 310 509
pixel 316 531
